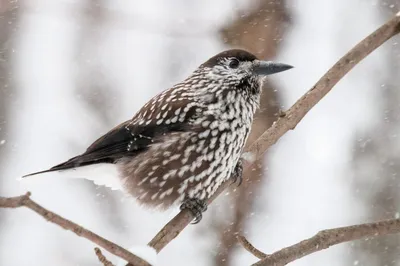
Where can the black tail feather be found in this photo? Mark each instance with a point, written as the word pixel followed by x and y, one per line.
pixel 40 172
pixel 71 163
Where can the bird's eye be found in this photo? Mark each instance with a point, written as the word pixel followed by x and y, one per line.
pixel 234 63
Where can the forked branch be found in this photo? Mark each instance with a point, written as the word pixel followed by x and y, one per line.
pixel 327 238
pixel 25 201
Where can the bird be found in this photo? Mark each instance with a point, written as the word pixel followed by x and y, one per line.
pixel 185 141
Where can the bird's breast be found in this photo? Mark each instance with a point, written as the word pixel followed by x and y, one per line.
pixel 191 163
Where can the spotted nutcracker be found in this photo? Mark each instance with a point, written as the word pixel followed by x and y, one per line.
pixel 186 141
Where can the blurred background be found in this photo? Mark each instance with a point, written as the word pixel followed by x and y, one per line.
pixel 70 70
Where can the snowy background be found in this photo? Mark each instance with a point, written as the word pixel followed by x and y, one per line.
pixel 70 70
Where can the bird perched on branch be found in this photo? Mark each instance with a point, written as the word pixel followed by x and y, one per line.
pixel 186 141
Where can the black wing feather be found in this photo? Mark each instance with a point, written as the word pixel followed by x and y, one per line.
pixel 122 141
pixel 129 138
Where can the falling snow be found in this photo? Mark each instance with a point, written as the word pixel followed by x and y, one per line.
pixel 132 51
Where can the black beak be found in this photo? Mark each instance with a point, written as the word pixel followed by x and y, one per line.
pixel 269 67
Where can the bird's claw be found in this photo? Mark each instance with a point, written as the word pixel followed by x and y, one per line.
pixel 237 174
pixel 196 207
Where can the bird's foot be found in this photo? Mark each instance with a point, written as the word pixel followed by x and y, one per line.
pixel 237 174
pixel 196 207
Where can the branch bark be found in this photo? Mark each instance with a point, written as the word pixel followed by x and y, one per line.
pixel 327 238
pixel 102 258
pixel 290 119
pixel 25 201
pixel 250 248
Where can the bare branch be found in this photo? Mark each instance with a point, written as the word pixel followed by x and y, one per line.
pixel 250 248
pixel 290 119
pixel 326 238
pixel 25 201
pixel 171 230
pixel 102 258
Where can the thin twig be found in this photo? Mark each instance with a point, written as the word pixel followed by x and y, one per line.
pixel 250 248
pixel 102 258
pixel 25 201
pixel 326 238
pixel 290 120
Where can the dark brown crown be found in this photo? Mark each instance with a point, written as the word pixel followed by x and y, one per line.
pixel 239 54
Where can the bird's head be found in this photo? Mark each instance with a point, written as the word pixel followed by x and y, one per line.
pixel 236 66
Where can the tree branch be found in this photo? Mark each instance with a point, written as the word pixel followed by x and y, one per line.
pixel 25 201
pixel 250 248
pixel 327 238
pixel 290 119
pixel 102 258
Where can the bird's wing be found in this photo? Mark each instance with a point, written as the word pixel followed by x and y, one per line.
pixel 155 119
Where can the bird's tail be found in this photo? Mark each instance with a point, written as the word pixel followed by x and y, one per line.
pixel 101 173
pixel 70 164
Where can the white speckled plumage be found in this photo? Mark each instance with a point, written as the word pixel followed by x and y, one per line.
pixel 183 143
pixel 196 161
